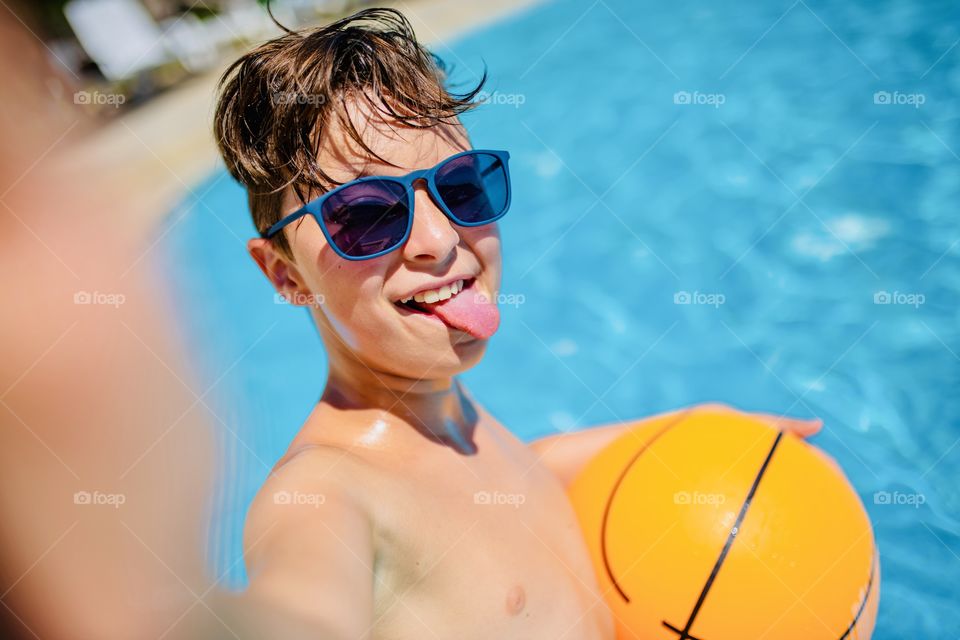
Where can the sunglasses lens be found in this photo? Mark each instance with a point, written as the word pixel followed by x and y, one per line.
pixel 367 218
pixel 474 187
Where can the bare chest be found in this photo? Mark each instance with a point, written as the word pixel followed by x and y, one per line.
pixel 485 546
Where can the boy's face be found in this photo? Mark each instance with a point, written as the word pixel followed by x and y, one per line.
pixel 355 303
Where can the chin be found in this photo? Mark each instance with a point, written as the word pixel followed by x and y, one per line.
pixel 454 360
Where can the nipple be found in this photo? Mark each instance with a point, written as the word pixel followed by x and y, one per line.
pixel 516 600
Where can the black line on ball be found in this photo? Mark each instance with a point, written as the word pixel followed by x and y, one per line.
pixel 616 487
pixel 685 633
pixel 866 597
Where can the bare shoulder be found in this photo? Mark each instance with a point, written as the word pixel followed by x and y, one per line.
pixel 301 482
pixel 309 543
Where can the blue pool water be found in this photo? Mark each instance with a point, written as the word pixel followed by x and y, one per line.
pixel 778 192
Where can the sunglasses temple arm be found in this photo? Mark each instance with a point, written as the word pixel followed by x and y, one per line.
pixel 293 217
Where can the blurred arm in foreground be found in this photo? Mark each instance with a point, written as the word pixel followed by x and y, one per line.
pixel 106 450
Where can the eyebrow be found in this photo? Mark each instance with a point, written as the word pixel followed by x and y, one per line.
pixel 339 183
pixel 364 173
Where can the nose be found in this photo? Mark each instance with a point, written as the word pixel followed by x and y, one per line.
pixel 433 238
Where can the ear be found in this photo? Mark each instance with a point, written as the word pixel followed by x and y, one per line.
pixel 280 271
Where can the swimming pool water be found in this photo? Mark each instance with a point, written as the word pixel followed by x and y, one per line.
pixel 754 204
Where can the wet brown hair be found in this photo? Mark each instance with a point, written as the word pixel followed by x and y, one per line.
pixel 276 102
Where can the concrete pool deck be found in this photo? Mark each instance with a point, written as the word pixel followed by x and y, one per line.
pixel 150 157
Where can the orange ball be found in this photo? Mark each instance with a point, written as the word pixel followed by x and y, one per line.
pixel 711 525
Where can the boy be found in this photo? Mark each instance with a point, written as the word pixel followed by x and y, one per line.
pixel 375 524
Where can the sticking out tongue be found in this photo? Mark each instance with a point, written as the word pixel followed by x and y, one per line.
pixel 468 311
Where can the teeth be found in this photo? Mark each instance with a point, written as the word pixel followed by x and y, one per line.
pixel 435 295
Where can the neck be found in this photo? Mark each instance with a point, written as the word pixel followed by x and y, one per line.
pixel 439 409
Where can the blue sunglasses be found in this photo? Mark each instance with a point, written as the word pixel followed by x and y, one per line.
pixel 371 216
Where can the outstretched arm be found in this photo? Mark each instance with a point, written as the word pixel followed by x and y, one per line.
pixel 566 453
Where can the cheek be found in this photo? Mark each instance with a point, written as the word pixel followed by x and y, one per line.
pixel 355 314
pixel 323 271
pixel 351 290
pixel 353 302
pixel 484 242
pixel 355 311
